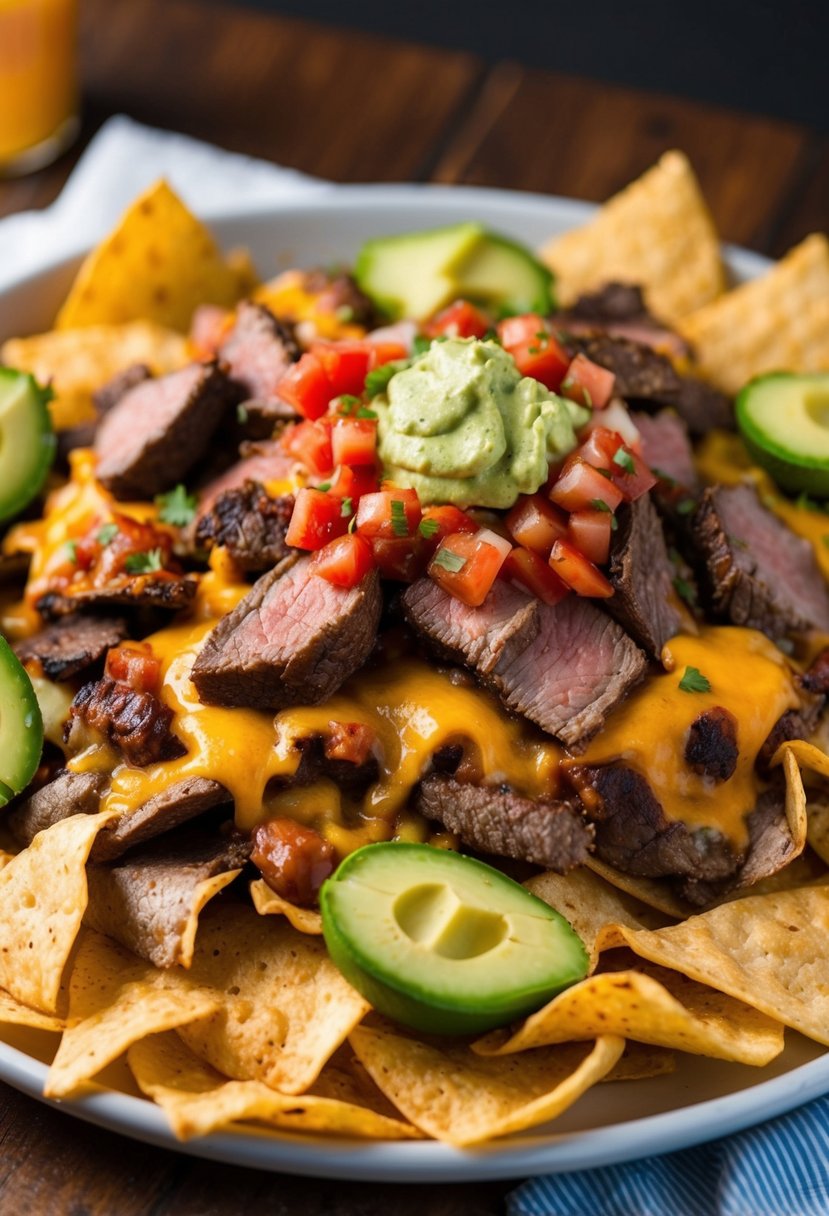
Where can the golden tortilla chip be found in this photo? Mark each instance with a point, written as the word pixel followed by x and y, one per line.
pixel 43 895
pixel 654 893
pixel 768 951
pixel 651 1005
pixel 198 1100
pixel 657 232
pixel 462 1098
pixel 640 1061
pixel 76 362
pixel 268 903
pixel 779 322
pixel 115 999
pixel 818 827
pixel 590 904
pixel 12 1013
pixel 286 1008
pixel 158 264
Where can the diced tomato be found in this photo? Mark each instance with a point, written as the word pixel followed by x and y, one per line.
pixel 466 565
pixel 459 320
pixel 600 446
pixel 578 571
pixel 532 573
pixel 354 441
pixel 385 350
pixel 588 384
pixel 535 523
pixel 377 514
pixel 345 561
pixel 134 663
pixel 345 364
pixel 605 449
pixel 632 482
pixel 590 532
pixel 616 418
pixel 581 486
pixel 306 387
pixel 317 518
pixel 353 483
pixel 400 558
pixel 535 351
pixel 310 444
pixel 516 331
pixel 438 522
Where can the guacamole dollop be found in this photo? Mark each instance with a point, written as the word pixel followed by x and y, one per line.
pixel 462 425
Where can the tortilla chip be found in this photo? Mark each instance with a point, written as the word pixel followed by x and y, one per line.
pixel 654 893
pixel 12 1013
pixel 657 232
pixel 116 999
pixel 76 362
pixel 461 1098
pixel 818 827
pixel 198 1100
pixel 268 903
pixel 639 1061
pixel 650 1005
pixel 286 1008
pixel 777 322
pixel 768 951
pixel 590 904
pixel 43 895
pixel 158 264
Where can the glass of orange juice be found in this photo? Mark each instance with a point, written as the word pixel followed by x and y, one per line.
pixel 38 82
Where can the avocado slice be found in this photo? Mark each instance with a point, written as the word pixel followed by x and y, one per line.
pixel 27 442
pixel 418 273
pixel 444 943
pixel 21 726
pixel 784 420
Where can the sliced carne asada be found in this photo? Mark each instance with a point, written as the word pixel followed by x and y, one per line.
pixel 262 461
pixel 319 760
pixel 159 429
pixel 563 667
pixel 756 571
pixel 177 804
pixel 642 578
pixel 294 639
pixel 72 645
pixel 711 747
pixel 257 353
pixel 66 794
pixel 170 593
pixel 249 524
pixel 666 447
pixel 619 309
pixel 647 378
pixel 339 295
pixel 150 901
pixel 495 819
pixel 83 435
pixel 816 679
pixel 136 723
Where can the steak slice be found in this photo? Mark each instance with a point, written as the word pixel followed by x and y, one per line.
pixel 159 429
pixel 151 901
pixel 83 435
pixel 66 794
pixel 619 309
pixel 262 461
pixel 497 820
pixel 249 524
pixel 177 804
pixel 257 353
pixel 135 722
pixel 667 448
pixel 642 577
pixel 756 571
pixel 563 667
pixel 293 640
pixel 72 645
pixel 711 747
pixel 163 590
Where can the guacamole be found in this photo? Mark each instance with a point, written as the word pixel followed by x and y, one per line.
pixel 462 425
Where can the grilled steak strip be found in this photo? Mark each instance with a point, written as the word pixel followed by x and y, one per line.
pixel 619 309
pixel 83 435
pixel 564 668
pixel 135 722
pixel 159 429
pixel 166 591
pixel 666 447
pixel 72 645
pixel 642 577
pixel 497 820
pixel 294 639
pixel 257 353
pixel 249 524
pixel 711 747
pixel 756 571
pixel 66 794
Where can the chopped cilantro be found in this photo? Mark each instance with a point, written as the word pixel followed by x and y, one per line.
pixel 344 314
pixel 352 523
pixel 71 548
pixel 599 504
pixel 686 506
pixel 614 524
pixel 347 404
pixel 347 508
pixel 241 415
pixel 450 561
pixel 428 527
pixel 323 487
pixel 399 523
pixel 420 344
pixel 176 507
pixel 365 412
pixel 664 477
pixel 377 380
pixel 534 350
pixel 144 563
pixel 686 591
pixel 625 461
pixel 694 681
pixel 606 473
pixel 107 534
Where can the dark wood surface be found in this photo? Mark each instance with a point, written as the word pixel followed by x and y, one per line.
pixel 353 107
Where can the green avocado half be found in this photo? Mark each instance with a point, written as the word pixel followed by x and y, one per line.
pixel 27 442
pixel 21 726
pixel 443 943
pixel 784 421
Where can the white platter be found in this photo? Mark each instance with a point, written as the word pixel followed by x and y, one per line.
pixel 612 1123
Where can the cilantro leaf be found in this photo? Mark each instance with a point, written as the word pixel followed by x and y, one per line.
pixel 347 508
pixel 420 344
pixel 599 504
pixel 694 681
pixel 685 590
pixel 242 415
pixel 365 412
pixel 377 380
pixel 664 477
pixel 450 561
pixel 144 563
pixel 71 548
pixel 399 522
pixel 177 507
pixel 347 403
pixel 428 527
pixel 686 506
pixel 107 534
pixel 625 461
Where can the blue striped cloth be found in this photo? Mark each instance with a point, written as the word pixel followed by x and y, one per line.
pixel 780 1168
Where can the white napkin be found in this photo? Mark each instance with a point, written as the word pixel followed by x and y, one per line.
pixel 121 161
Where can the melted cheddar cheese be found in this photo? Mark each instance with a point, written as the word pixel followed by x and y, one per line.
pixel 749 677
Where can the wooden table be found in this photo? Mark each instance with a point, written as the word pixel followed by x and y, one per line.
pixel 353 107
